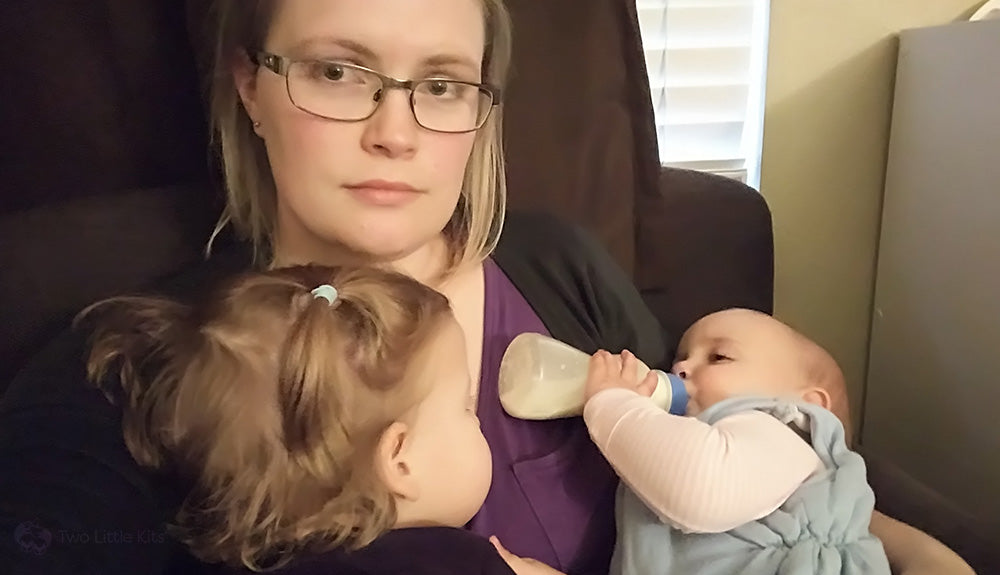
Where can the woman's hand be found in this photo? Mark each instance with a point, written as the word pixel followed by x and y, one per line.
pixel 608 371
pixel 523 566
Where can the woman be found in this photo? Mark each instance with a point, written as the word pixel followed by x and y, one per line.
pixel 329 159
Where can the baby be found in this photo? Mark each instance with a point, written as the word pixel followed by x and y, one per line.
pixel 758 479
pixel 323 417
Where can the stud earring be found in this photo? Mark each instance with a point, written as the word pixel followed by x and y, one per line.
pixel 256 124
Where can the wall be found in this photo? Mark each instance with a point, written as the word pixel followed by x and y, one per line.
pixel 933 346
pixel 830 74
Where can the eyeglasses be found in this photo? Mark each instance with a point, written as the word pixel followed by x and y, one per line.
pixel 351 93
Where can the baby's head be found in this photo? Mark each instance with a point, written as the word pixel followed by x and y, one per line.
pixel 743 352
pixel 299 422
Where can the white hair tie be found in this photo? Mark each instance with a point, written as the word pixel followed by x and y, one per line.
pixel 327 292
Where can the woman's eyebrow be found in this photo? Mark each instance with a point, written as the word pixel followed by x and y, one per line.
pixel 317 43
pixel 454 60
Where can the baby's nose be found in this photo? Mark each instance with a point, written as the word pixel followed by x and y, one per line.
pixel 680 368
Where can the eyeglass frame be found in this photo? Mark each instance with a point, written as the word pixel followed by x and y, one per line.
pixel 281 65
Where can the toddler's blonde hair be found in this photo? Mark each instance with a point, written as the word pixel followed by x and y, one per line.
pixel 269 402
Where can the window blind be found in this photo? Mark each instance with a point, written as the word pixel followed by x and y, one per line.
pixel 705 60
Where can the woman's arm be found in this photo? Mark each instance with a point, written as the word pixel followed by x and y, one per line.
pixel 913 552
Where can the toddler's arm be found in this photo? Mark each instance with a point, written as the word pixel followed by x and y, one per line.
pixel 699 477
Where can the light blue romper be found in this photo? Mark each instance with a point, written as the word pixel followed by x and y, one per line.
pixel 822 529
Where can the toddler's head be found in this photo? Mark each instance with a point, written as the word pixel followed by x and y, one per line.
pixel 301 421
pixel 742 352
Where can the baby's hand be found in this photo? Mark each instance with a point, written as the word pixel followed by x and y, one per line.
pixel 608 371
pixel 523 566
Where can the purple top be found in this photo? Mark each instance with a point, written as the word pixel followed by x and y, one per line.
pixel 552 497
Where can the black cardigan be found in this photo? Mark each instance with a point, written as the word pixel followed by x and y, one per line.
pixel 581 295
pixel 72 500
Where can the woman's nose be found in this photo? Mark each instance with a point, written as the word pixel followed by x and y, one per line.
pixel 392 130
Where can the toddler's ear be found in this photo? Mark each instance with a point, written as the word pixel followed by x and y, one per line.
pixel 392 462
pixel 817 396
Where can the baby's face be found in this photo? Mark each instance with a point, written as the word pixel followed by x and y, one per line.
pixel 738 352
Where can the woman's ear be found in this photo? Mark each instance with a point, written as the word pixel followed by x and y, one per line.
pixel 245 78
pixel 392 462
pixel 817 396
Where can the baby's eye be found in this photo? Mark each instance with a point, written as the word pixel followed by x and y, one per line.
pixel 718 357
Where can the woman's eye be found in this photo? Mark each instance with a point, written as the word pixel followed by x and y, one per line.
pixel 333 72
pixel 447 89
pixel 320 70
pixel 439 88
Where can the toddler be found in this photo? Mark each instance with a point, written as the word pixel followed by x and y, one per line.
pixel 323 417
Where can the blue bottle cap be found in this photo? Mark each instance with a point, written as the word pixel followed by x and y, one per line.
pixel 678 395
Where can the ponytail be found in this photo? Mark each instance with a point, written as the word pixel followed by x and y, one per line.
pixel 136 357
pixel 309 406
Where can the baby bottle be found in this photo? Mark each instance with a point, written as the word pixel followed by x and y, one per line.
pixel 544 378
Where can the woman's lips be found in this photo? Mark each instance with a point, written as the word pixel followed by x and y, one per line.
pixel 383 193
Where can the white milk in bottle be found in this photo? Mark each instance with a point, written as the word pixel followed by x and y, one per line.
pixel 544 378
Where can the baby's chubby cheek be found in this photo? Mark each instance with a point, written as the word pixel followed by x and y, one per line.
pixel 692 406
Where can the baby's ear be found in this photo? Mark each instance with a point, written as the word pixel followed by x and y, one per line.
pixel 817 396
pixel 392 462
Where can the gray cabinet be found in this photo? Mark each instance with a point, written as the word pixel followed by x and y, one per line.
pixel 933 389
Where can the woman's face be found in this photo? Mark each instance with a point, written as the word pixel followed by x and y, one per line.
pixel 384 187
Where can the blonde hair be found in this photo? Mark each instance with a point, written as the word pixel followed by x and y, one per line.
pixel 242 26
pixel 269 401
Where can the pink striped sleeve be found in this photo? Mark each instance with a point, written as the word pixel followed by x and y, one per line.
pixel 695 476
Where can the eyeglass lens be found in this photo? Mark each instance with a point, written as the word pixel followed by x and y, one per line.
pixel 343 92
